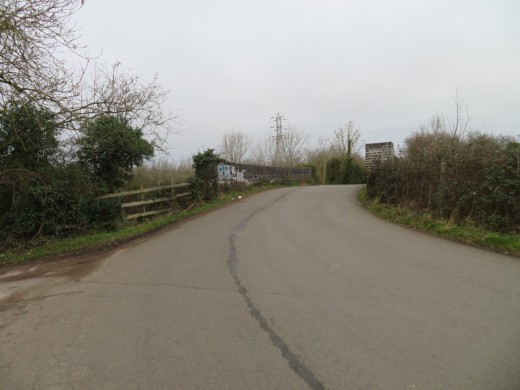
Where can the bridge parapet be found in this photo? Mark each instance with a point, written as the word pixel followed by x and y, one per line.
pixel 376 152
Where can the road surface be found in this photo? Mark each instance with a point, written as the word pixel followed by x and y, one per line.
pixel 296 288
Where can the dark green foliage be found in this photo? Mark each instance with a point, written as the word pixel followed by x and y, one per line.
pixel 472 179
pixel 314 172
pixel 28 136
pixel 204 185
pixel 74 206
pixel 60 201
pixel 104 214
pixel 335 170
pixel 28 141
pixel 39 196
pixel 342 170
pixel 110 148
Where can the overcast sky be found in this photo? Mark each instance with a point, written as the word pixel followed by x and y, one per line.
pixel 386 65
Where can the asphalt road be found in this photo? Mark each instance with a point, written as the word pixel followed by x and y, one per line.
pixel 289 289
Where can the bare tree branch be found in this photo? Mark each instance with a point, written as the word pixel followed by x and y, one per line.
pixel 459 126
pixel 347 140
pixel 293 146
pixel 235 146
pixel 112 91
pixel 34 36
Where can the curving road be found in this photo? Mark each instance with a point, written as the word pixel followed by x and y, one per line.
pixel 289 289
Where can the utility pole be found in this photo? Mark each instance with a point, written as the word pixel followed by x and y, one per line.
pixel 279 135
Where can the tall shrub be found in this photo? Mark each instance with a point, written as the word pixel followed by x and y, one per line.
pixel 42 194
pixel 110 148
pixel 204 185
pixel 473 178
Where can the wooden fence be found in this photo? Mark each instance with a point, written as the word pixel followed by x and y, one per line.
pixel 159 199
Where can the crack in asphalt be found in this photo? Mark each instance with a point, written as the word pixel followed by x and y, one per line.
pixel 292 359
pixel 154 285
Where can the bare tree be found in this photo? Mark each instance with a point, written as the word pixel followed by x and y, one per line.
pixel 110 90
pixel 34 36
pixel 459 126
pixel 235 146
pixel 287 152
pixel 293 146
pixel 263 152
pixel 347 140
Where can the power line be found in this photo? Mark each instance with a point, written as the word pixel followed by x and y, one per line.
pixel 279 133
pixel 279 129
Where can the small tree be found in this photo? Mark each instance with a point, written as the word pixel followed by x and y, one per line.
pixel 292 147
pixel 110 148
pixel 347 139
pixel 204 186
pixel 348 169
pixel 113 91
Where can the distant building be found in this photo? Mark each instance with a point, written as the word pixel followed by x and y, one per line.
pixel 374 153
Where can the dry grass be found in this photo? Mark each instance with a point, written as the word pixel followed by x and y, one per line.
pixel 159 173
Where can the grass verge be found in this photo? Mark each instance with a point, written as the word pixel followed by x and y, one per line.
pixel 467 233
pixel 88 242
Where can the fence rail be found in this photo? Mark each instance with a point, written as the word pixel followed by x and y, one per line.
pixel 142 203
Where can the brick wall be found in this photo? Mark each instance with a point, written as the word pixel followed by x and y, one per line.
pixel 378 152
